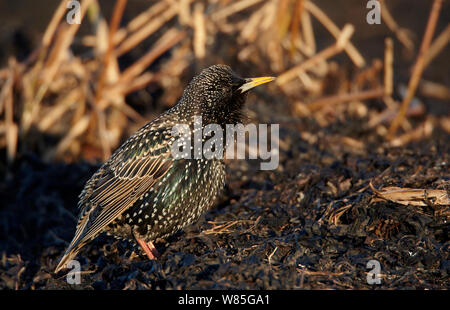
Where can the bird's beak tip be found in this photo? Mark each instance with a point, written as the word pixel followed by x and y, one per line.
pixel 253 82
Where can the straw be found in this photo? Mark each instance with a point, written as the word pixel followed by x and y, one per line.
pixel 418 68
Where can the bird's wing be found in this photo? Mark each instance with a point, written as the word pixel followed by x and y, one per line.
pixel 117 190
pixel 113 189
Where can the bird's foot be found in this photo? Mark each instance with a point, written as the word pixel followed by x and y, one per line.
pixel 149 249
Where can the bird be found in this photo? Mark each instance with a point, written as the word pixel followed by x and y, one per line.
pixel 142 192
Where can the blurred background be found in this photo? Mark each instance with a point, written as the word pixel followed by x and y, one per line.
pixel 80 90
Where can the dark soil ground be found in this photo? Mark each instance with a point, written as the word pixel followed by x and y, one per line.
pixel 309 224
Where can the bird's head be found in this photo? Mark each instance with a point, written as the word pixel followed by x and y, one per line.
pixel 218 94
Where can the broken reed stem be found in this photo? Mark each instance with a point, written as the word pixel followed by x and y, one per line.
pixel 139 21
pixel 283 18
pixel 330 51
pixel 57 111
pixel 358 96
pixel 50 32
pixel 114 25
pixel 432 89
pixel 62 44
pixel 143 33
pixel 295 24
pixel 56 55
pixel 103 133
pixel 233 8
pixel 438 45
pixel 54 22
pixel 411 196
pixel 167 41
pixel 184 11
pixel 221 228
pixel 388 67
pixel 422 131
pixel 107 57
pixel 368 75
pixel 322 273
pixel 308 32
pixel 136 84
pixel 249 31
pixel 418 68
pixel 400 33
pixel 199 31
pixel 11 129
pixel 350 49
pixel 76 130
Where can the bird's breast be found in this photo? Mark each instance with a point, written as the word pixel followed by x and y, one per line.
pixel 180 197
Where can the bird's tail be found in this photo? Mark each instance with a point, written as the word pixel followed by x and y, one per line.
pixel 75 245
pixel 70 254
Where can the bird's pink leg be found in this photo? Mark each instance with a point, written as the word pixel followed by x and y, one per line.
pixel 149 249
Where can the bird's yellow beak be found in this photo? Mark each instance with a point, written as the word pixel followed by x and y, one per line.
pixel 253 82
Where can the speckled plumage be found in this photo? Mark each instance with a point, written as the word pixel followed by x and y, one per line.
pixel 141 191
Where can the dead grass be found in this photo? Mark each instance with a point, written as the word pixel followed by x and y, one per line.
pixel 80 101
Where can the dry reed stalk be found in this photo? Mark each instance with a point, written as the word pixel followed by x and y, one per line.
pixel 377 119
pixel 357 96
pixel 322 273
pixel 283 18
pixel 233 8
pixel 352 52
pixel 336 215
pixel 57 111
pixel 148 29
pixel 336 48
pixel 76 130
pixel 54 22
pixel 11 129
pixel 4 90
pixel 223 228
pixel 295 25
pixel 352 143
pixel 270 10
pixel 139 21
pixel 437 45
pixel 444 122
pixel 107 59
pixel 55 57
pixel 103 133
pixel 136 84
pixel 304 49
pixel 435 90
pixel 249 31
pixel 129 111
pixel 388 67
pixel 50 32
pixel 167 41
pixel 4 73
pixel 412 196
pixel 310 84
pixel 184 11
pixel 199 32
pixel 308 32
pixel 402 34
pixel 418 68
pixel 368 75
pixel 421 132
pixel 62 43
pixel 100 42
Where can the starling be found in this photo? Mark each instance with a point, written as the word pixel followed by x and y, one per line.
pixel 142 192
